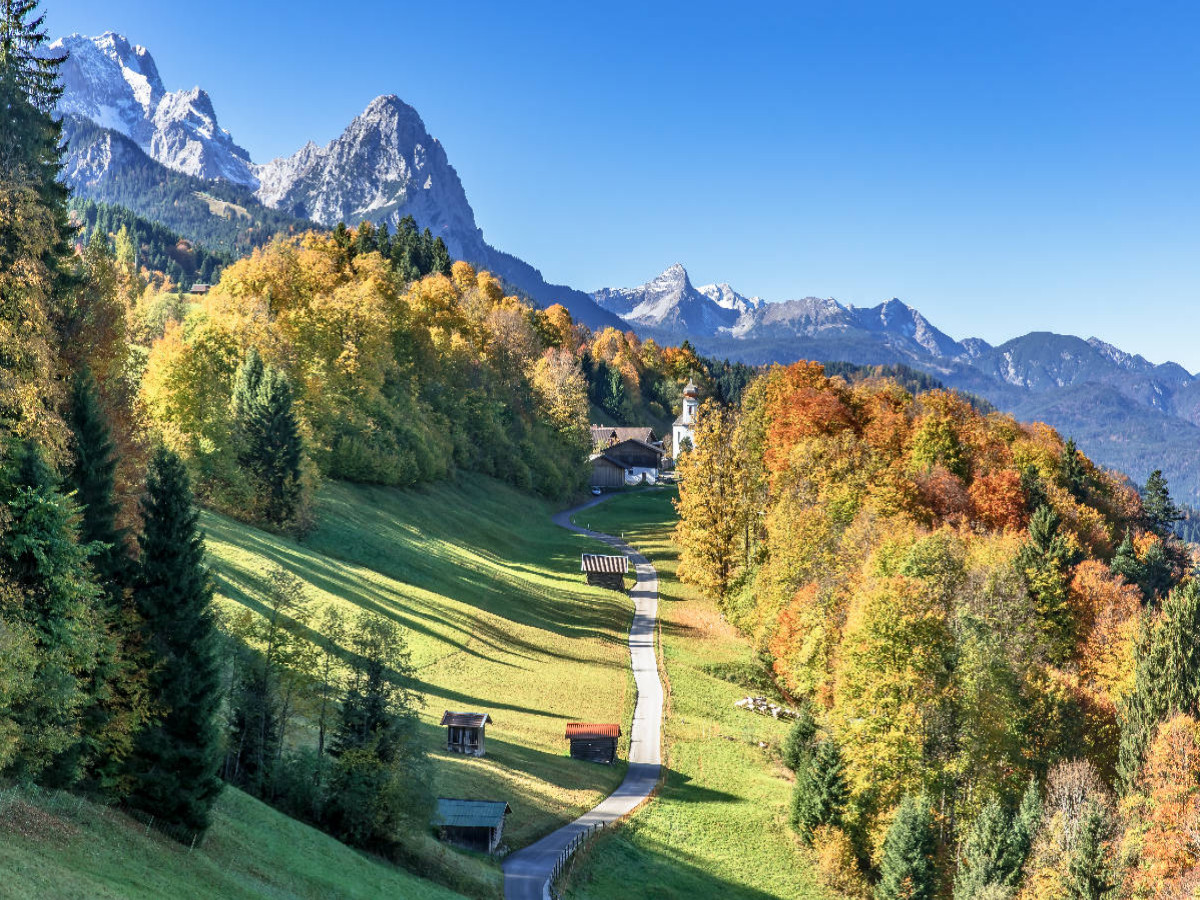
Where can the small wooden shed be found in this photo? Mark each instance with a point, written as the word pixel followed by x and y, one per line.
pixel 472 824
pixel 605 571
pixel 606 472
pixel 465 732
pixel 595 743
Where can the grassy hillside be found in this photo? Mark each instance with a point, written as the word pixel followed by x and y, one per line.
pixel 57 845
pixel 497 617
pixel 719 826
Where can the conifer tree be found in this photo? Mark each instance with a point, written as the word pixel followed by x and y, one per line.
pixel 92 476
pixel 907 869
pixel 1046 559
pixel 798 745
pixel 274 437
pixel 1166 677
pixel 983 858
pixel 1071 471
pixel 1025 825
pixel 821 791
pixel 1158 509
pixel 54 600
pixel 177 758
pixel 1090 875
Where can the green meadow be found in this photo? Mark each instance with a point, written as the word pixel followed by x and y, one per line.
pixel 718 827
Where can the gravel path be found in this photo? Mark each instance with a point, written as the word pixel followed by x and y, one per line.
pixel 527 872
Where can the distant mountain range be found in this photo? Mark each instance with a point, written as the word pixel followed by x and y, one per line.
pixel 163 154
pixel 383 167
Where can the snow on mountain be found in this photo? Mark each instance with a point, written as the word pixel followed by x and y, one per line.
pixel 727 298
pixel 383 167
pixel 670 304
pixel 117 85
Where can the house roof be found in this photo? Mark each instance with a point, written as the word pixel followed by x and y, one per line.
pixel 586 731
pixel 690 390
pixel 593 564
pixel 602 434
pixel 466 719
pixel 635 442
pixel 470 813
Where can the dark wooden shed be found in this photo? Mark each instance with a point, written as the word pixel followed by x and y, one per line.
pixel 607 473
pixel 465 732
pixel 473 824
pixel 595 743
pixel 605 571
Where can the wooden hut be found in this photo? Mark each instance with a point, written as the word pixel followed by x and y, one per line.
pixel 472 824
pixel 606 472
pixel 605 571
pixel 595 743
pixel 465 732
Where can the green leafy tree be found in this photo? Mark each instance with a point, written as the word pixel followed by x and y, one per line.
pixel 176 760
pixel 821 791
pixel 907 870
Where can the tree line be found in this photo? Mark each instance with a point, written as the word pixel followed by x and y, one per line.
pixel 989 638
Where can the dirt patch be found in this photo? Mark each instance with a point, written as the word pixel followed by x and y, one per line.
pixel 18 816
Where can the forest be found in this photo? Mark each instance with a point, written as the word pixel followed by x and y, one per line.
pixel 987 637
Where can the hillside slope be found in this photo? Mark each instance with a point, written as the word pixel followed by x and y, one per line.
pixel 497 618
pixel 58 845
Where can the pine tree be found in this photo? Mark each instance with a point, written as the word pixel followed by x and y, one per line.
pixel 1166 677
pixel 1125 561
pixel 907 869
pixel 1158 509
pixel 1025 827
pixel 246 384
pixel 1046 560
pixel 92 476
pixel 53 600
pixel 983 857
pixel 274 438
pixel 177 758
pixel 1071 471
pixel 798 745
pixel 821 791
pixel 1090 874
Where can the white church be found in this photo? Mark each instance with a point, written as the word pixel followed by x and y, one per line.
pixel 682 430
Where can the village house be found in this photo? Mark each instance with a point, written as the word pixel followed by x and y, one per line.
pixel 465 732
pixel 471 824
pixel 605 436
pixel 605 571
pixel 592 742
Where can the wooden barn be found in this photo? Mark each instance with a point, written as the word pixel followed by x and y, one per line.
pixel 605 571
pixel 465 732
pixel 471 824
pixel 604 436
pixel 634 454
pixel 595 743
pixel 606 472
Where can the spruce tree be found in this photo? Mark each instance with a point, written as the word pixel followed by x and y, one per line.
pixel 53 600
pixel 1046 560
pixel 1025 825
pixel 92 475
pixel 907 869
pixel 821 791
pixel 1125 561
pixel 983 857
pixel 274 438
pixel 177 758
pixel 1090 875
pixel 1158 509
pixel 246 382
pixel 1071 471
pixel 798 745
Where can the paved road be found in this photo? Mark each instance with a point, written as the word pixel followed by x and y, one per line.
pixel 527 872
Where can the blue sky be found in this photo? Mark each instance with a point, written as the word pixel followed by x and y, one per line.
pixel 1004 167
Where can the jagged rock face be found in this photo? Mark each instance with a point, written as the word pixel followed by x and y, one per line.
pixel 116 85
pixel 383 167
pixel 671 304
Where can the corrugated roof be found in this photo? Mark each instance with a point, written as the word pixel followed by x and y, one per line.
pixel 470 813
pixel 607 565
pixel 602 434
pixel 589 731
pixel 466 719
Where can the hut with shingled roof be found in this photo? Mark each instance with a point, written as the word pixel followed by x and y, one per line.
pixel 465 732
pixel 593 742
pixel 605 571
pixel 471 824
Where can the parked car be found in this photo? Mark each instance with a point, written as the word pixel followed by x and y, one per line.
pixel 596 492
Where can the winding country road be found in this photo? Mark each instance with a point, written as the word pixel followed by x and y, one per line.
pixel 527 872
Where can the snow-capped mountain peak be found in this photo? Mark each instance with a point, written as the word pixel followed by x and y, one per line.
pixel 117 85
